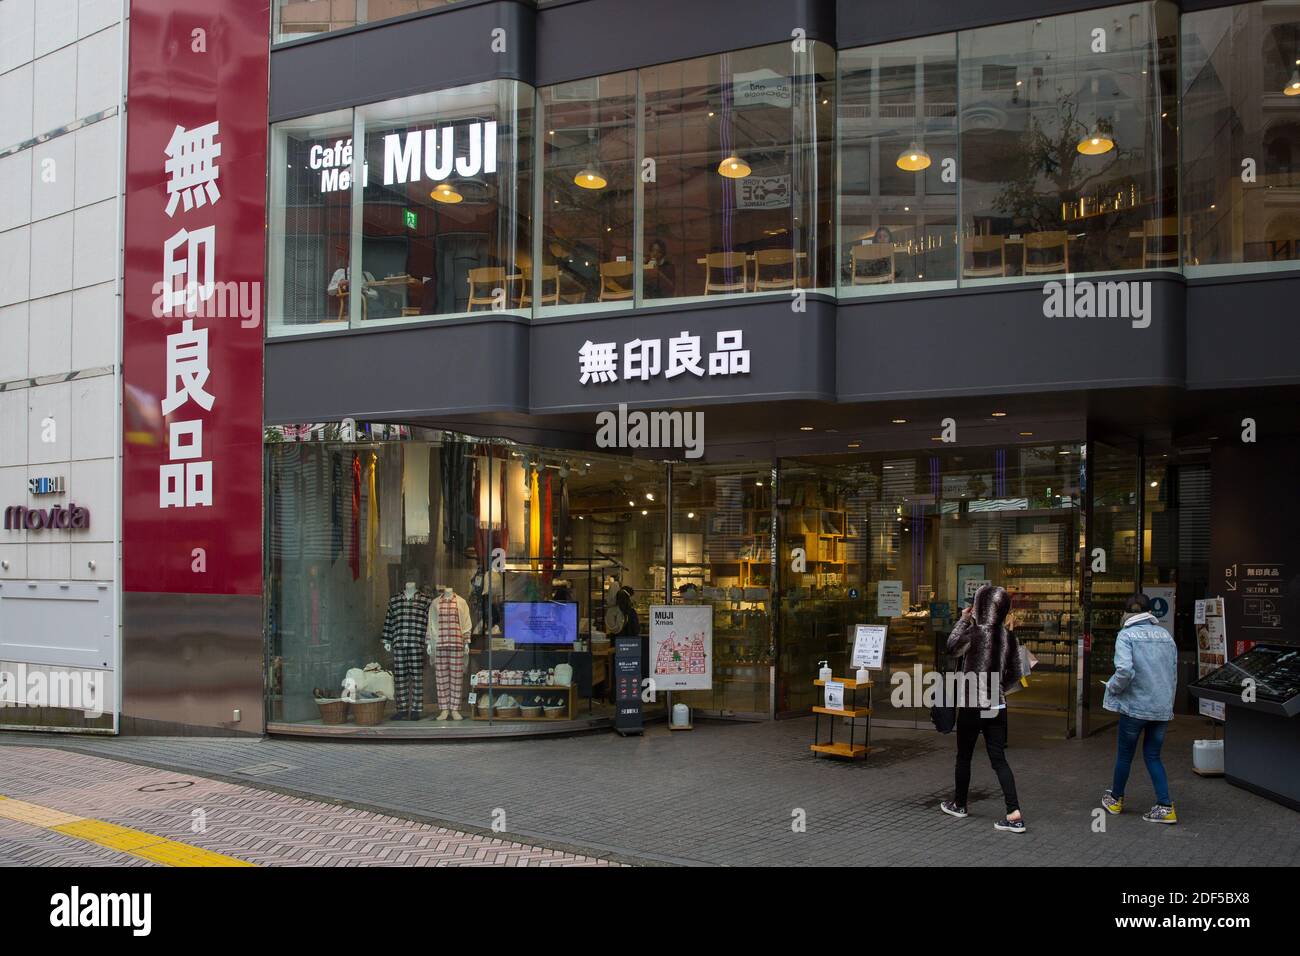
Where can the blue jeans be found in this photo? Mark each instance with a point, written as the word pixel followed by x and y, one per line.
pixel 1130 728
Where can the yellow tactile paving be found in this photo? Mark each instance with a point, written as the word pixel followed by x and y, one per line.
pixel 35 814
pixel 147 846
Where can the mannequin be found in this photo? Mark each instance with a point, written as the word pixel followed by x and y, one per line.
pixel 448 630
pixel 405 625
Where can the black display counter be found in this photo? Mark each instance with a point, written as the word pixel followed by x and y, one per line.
pixel 1261 732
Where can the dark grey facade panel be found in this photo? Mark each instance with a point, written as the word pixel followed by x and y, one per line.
pixel 595 37
pixel 792 356
pixel 1243 332
pixel 413 55
pixel 192 660
pixel 1001 342
pixel 400 372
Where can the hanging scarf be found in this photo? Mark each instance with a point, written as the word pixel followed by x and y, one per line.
pixel 372 523
pixel 354 539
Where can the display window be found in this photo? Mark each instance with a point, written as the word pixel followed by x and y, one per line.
pixel 1240 90
pixel 432 582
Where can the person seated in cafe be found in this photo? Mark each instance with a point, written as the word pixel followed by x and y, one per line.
pixel 660 277
pixel 341 280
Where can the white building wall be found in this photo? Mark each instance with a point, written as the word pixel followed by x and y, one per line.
pixel 60 264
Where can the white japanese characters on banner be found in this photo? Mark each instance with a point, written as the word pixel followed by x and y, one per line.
pixel 189 255
pixel 599 362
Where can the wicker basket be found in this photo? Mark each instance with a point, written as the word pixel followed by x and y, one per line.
pixel 367 713
pixel 554 712
pixel 507 711
pixel 332 711
pixel 534 710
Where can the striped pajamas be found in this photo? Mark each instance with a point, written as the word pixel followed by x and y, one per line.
pixel 449 673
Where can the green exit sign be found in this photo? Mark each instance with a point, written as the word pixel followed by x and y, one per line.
pixel 411 220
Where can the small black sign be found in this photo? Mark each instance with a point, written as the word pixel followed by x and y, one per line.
pixel 627 685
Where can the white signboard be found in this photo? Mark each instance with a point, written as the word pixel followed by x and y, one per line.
pixel 1162 606
pixel 971 585
pixel 868 646
pixel 681 646
pixel 762 87
pixel 1211 636
pixel 889 598
pixel 834 695
pixel 1214 708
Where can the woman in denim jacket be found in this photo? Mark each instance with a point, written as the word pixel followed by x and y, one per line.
pixel 1141 691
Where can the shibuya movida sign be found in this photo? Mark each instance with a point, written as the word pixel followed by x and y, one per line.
pixel 20 517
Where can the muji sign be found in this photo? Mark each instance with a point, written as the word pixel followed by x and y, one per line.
pixel 195 213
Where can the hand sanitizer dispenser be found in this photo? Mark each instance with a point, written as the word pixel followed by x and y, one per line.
pixel 824 673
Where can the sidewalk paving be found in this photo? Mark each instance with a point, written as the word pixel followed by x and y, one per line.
pixel 727 794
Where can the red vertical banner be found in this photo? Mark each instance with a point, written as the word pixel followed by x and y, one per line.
pixel 192 296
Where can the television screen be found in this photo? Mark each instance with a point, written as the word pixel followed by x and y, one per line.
pixel 541 622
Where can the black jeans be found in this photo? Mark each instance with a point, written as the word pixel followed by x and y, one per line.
pixel 969 727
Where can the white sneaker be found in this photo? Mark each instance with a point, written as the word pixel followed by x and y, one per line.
pixel 455 715
pixel 442 715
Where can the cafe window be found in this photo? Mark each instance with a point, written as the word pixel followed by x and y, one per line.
pixel 296 19
pixel 309 272
pixel 1067 144
pixel 444 227
pixel 588 146
pixel 1241 137
pixel 737 154
pixel 898 166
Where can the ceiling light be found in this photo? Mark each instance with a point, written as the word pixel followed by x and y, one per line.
pixel 913 159
pixel 1293 87
pixel 690 514
pixel 1026 434
pixel 733 167
pixel 631 503
pixel 855 444
pixel 999 414
pixel 590 178
pixel 649 496
pixel 446 193
pixel 759 482
pixel 936 438
pixel 805 428
pixel 1096 142
pixel 1155 484
pixel 899 421
pixel 644 512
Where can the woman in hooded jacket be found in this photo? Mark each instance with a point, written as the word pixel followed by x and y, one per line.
pixel 988 661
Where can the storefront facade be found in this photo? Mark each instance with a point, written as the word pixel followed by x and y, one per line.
pixel 957 294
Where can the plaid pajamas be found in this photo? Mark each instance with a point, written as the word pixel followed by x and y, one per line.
pixel 449 672
pixel 405 625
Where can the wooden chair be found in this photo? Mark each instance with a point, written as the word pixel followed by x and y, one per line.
pixel 615 282
pixel 990 248
pixel 1158 235
pixel 873 264
pixel 551 276
pixel 1046 244
pixel 774 269
pixel 725 265
pixel 485 278
pixel 342 296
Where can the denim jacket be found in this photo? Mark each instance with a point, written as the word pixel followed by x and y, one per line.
pixel 1146 671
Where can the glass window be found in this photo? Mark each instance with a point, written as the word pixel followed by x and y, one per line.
pixel 898 166
pixel 311 222
pixel 1067 144
pixel 1241 137
pixel 588 195
pixel 738 148
pixel 295 19
pixel 722 557
pixel 444 224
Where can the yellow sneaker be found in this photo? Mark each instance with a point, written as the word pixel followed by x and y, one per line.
pixel 1160 814
pixel 1112 804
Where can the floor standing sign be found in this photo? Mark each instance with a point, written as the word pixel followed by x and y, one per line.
pixel 1211 647
pixel 627 685
pixel 681 646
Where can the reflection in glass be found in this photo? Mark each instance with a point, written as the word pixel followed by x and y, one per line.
pixel 447 188
pixel 1241 136
pixel 741 152
pixel 1068 145
pixel 898 143
pixel 309 274
pixel 295 19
